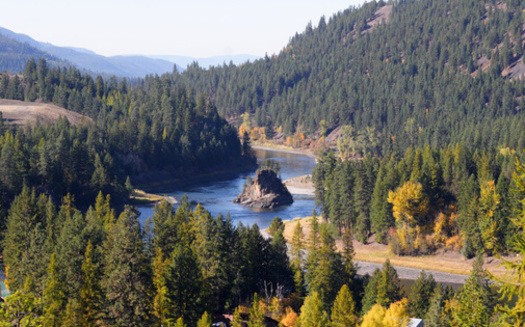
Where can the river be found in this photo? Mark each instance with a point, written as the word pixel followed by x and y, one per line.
pixel 217 195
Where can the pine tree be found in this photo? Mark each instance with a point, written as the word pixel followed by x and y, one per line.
pixel 348 253
pixel 436 314
pixel 90 292
pixel 296 246
pixel 389 288
pixel 165 229
pixel 370 296
pixel 125 279
pixel 185 285
pixel 160 269
pixel 22 220
pixel 71 249
pixel 473 304
pixel 53 296
pixel 205 320
pixel 328 275
pixel 257 313
pixel 313 313
pixel 420 294
pixel 343 310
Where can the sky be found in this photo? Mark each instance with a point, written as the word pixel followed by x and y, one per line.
pixel 195 28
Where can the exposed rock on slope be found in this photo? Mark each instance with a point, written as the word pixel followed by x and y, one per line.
pixel 266 191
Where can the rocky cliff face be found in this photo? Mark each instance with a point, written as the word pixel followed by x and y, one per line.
pixel 266 191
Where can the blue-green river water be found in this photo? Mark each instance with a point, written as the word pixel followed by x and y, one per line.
pixel 217 195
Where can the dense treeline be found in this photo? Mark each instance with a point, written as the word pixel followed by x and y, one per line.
pixel 136 129
pixel 70 268
pixel 454 197
pixel 431 75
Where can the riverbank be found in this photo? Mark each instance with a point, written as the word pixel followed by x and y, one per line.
pixel 282 148
pixel 165 182
pixel 140 197
pixel 301 185
pixel 448 267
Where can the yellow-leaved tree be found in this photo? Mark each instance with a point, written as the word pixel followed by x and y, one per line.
pixel 410 208
pixel 374 317
pixel 395 316
pixel 488 202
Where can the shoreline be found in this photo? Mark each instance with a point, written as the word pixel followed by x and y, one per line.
pixel 283 149
pixel 300 185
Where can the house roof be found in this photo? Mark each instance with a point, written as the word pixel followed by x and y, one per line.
pixel 414 322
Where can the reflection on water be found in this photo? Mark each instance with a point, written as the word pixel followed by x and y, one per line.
pixel 217 196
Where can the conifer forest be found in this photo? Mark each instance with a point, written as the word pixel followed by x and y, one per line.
pixel 415 110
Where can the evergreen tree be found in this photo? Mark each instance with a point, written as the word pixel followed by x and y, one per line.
pixel 205 320
pixel 389 288
pixel 473 304
pixel 313 313
pixel 160 303
pixel 420 294
pixel 125 280
pixel 90 291
pixel 343 310
pixel 370 296
pixel 296 246
pixel 53 296
pixel 437 314
pixel 328 275
pixel 185 285
pixel 22 220
pixel 257 313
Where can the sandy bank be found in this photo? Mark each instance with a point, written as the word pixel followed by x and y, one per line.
pixel 283 149
pixel 300 185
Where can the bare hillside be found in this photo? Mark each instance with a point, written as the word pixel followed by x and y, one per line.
pixel 22 113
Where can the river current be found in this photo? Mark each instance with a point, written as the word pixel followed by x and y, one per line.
pixel 217 195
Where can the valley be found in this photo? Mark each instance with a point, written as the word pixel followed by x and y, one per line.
pixel 397 126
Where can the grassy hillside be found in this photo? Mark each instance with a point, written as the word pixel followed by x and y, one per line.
pixel 23 113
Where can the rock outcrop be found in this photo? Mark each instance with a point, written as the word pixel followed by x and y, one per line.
pixel 266 191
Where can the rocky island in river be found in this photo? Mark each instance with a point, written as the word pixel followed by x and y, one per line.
pixel 265 191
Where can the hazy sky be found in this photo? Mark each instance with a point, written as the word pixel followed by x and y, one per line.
pixel 197 28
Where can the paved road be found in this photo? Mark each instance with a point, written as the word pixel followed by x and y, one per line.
pixel 364 267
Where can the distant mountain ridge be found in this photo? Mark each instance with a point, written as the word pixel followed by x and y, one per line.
pixel 125 66
pixel 184 61
pixel 15 57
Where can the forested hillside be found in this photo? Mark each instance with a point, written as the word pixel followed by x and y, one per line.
pixel 150 131
pixel 14 55
pixel 434 72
